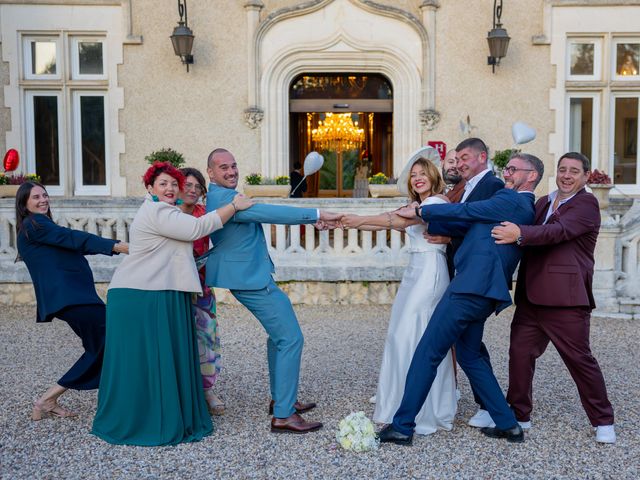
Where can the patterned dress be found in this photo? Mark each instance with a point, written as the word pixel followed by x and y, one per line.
pixel 205 317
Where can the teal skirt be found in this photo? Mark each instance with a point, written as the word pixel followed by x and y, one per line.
pixel 150 389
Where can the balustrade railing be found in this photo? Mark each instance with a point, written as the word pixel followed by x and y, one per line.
pixel 300 252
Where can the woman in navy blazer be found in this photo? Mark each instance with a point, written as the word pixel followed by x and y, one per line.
pixel 64 288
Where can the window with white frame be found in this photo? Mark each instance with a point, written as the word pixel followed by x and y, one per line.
pixel 69 156
pixel 584 59
pixel 624 138
pixel 582 124
pixel 591 83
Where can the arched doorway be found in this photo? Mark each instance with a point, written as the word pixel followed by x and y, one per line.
pixel 348 117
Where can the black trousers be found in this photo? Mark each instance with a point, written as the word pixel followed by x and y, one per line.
pixel 88 322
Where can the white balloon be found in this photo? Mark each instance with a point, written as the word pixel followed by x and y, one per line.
pixel 312 163
pixel 522 133
pixel 429 153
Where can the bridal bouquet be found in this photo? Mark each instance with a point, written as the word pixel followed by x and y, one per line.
pixel 356 432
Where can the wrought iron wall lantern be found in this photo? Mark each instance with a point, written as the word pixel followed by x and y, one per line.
pixel 182 37
pixel 497 38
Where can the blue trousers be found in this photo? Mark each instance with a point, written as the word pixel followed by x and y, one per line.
pixel 272 308
pixel 458 319
pixel 88 322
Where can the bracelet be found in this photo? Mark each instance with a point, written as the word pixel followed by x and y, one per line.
pixel 390 219
pixel 235 209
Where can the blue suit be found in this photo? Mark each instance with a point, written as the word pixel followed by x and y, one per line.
pixel 480 287
pixel 240 262
pixel 486 187
pixel 64 286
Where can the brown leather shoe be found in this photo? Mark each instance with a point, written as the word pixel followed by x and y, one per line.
pixel 300 407
pixel 293 424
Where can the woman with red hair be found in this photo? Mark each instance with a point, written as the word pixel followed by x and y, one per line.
pixel 150 389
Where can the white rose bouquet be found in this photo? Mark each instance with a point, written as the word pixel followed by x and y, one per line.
pixel 356 432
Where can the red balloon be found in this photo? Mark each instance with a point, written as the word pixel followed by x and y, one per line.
pixel 11 160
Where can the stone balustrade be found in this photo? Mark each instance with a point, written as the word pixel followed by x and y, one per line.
pixel 344 266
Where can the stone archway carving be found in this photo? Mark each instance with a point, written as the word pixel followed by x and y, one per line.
pixel 362 36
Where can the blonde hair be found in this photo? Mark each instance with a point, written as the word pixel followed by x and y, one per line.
pixel 433 174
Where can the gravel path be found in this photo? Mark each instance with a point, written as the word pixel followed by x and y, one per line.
pixel 340 364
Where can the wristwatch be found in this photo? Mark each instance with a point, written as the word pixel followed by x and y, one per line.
pixel 519 240
pixel 418 214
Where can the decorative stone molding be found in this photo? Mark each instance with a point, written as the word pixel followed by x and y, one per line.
pixel 254 4
pixel 298 39
pixel 429 118
pixel 430 4
pixel 253 117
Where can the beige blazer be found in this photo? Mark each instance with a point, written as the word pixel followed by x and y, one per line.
pixel 161 250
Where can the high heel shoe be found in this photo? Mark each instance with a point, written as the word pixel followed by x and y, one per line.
pixel 44 410
pixel 214 404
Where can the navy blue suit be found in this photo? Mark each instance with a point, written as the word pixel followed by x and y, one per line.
pixel 486 187
pixel 480 287
pixel 64 286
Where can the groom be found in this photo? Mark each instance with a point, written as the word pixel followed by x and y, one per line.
pixel 240 262
pixel 479 288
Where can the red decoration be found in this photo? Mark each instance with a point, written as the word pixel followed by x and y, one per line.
pixel 11 160
pixel 441 147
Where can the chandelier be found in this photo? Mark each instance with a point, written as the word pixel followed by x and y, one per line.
pixel 337 132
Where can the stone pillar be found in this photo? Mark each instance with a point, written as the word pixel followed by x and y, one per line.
pixel 253 114
pixel 606 272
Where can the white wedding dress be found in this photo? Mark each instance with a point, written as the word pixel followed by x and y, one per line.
pixel 423 283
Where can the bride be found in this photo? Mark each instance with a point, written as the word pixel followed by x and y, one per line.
pixel 423 283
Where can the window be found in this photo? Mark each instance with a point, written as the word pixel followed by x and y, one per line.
pixel 52 97
pixel 625 139
pixel 584 59
pixel 88 59
pixel 45 141
pixel 626 55
pixel 583 124
pixel 90 142
pixel 42 58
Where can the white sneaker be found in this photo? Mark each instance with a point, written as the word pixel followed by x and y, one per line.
pixel 525 425
pixel 372 399
pixel 481 419
pixel 605 434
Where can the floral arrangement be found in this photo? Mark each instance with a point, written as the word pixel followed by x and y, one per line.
pixel 356 432
pixel 258 179
pixel 253 179
pixel 598 178
pixel 378 179
pixel 166 155
pixel 18 179
pixel 282 180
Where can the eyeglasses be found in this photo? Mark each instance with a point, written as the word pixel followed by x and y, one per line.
pixel 196 186
pixel 512 170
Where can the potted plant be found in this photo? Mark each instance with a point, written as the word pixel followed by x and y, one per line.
pixel 600 185
pixel 166 155
pixel 9 184
pixel 501 158
pixel 382 186
pixel 258 186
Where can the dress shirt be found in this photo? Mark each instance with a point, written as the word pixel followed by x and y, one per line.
pixel 471 184
pixel 552 200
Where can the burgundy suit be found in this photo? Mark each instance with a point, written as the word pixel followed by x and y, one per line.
pixel 554 302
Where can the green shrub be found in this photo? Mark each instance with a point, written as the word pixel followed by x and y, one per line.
pixel 501 157
pixel 166 155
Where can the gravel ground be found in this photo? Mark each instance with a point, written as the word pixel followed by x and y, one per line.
pixel 340 364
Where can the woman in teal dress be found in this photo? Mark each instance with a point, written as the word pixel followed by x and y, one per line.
pixel 151 388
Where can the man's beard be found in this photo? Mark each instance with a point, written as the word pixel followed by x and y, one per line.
pixel 451 179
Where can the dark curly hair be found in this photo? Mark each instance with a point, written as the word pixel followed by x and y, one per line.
pixel 162 167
